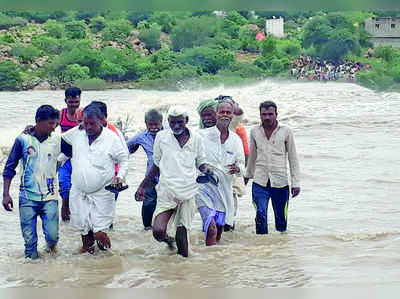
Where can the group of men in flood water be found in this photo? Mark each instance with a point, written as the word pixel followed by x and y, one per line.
pixel 187 170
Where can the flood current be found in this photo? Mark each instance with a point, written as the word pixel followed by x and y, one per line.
pixel 343 229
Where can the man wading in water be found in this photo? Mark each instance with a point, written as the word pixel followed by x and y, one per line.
pixel 178 153
pixel 95 150
pixel 226 157
pixel 271 146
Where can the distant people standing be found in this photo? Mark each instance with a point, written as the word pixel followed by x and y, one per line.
pixel 153 119
pixel 271 146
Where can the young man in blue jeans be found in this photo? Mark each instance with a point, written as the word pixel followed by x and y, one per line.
pixel 271 146
pixel 38 151
pixel 153 120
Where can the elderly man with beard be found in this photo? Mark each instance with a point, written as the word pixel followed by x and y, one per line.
pixel 178 153
pixel 206 110
pixel 225 153
pixel 95 150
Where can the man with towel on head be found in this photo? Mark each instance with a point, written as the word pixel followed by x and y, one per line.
pixel 225 153
pixel 178 153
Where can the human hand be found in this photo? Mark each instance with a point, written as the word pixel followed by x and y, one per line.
pixel 8 203
pixel 140 194
pixel 27 129
pixel 65 212
pixel 295 191
pixel 233 168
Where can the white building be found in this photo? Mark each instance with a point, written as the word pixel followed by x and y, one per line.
pixel 275 27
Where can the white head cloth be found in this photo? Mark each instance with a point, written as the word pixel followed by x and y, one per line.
pixel 177 110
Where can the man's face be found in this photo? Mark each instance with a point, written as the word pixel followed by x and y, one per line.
pixel 224 114
pixel 153 126
pixel 92 125
pixel 268 116
pixel 73 103
pixel 208 117
pixel 178 124
pixel 48 126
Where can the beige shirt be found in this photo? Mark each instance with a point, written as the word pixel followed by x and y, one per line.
pixel 268 158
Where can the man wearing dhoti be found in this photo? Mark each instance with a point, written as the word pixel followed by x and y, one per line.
pixel 178 154
pixel 95 150
pixel 225 155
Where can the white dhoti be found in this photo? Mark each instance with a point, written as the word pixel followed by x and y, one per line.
pixel 183 212
pixel 91 211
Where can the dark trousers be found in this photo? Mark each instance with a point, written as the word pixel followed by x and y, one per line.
pixel 280 201
pixel 149 205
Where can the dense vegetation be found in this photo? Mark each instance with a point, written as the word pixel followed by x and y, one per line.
pixel 168 50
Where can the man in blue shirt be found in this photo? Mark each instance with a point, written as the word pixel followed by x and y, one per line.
pixel 37 151
pixel 145 139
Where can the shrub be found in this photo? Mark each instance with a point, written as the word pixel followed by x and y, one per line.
pixel 207 59
pixel 10 77
pixel 190 33
pixel 97 24
pixel 75 29
pixel 165 19
pixel 24 53
pixel 117 30
pixel 48 45
pixel 92 84
pixel 136 17
pixel 54 29
pixel 7 38
pixel 75 72
pixel 151 37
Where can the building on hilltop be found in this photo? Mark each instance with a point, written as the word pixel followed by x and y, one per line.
pixel 275 27
pixel 385 31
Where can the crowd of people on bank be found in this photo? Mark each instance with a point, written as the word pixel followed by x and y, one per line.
pixel 188 170
pixel 322 70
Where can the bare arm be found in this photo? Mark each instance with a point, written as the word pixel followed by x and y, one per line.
pixel 154 171
pixel 7 200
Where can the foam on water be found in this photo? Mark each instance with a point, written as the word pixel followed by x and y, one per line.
pixel 342 229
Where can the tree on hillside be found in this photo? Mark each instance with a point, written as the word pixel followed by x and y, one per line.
pixel 332 36
pixel 10 77
pixel 189 33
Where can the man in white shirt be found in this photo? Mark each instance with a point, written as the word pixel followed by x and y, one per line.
pixel 225 154
pixel 271 146
pixel 95 150
pixel 178 153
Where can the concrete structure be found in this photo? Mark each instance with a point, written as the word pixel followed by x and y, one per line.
pixel 275 27
pixel 385 31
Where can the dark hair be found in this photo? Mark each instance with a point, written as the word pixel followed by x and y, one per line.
pixel 46 112
pixel 93 111
pixel 269 104
pixel 73 92
pixel 153 114
pixel 221 98
pixel 101 105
